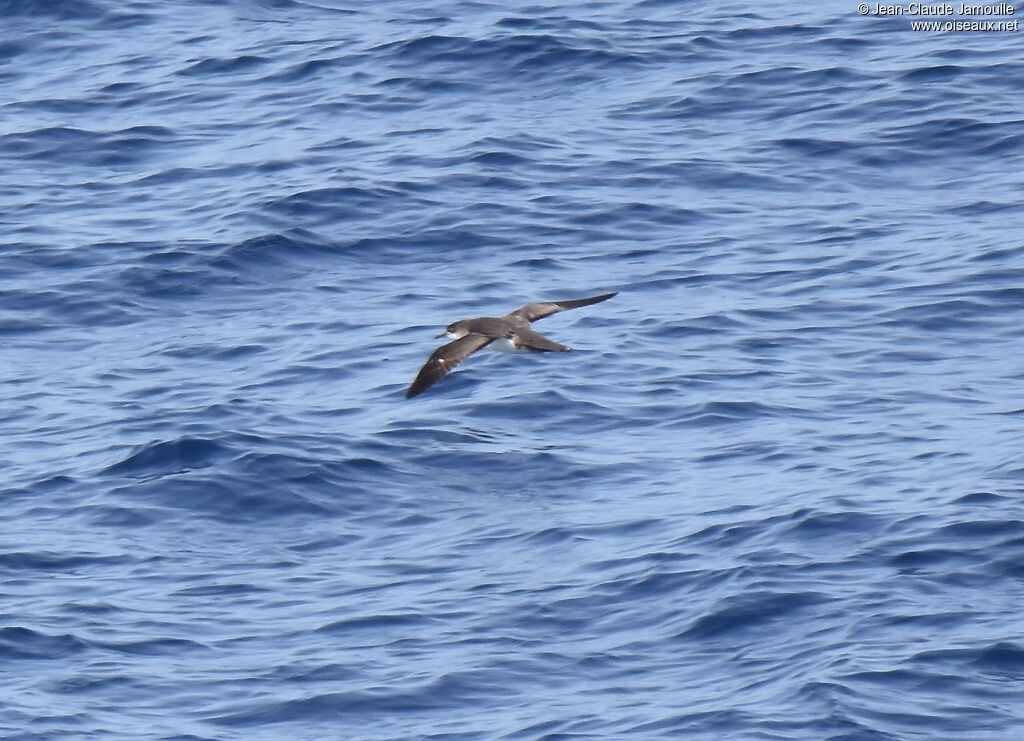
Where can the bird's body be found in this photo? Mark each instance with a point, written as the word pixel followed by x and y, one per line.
pixel 509 333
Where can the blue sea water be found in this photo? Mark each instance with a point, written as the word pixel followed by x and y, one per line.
pixel 775 493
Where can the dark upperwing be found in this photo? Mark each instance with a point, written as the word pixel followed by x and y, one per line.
pixel 539 310
pixel 443 359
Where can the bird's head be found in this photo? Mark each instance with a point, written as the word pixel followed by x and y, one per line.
pixel 455 330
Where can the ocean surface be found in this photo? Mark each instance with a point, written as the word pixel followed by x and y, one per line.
pixel 774 493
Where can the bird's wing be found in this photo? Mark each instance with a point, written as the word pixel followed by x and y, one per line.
pixel 530 340
pixel 533 312
pixel 444 359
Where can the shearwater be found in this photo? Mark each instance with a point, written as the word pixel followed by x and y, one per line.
pixel 509 333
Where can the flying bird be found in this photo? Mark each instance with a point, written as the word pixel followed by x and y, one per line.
pixel 509 333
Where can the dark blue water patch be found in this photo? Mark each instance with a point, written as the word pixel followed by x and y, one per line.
pixel 527 405
pixel 306 71
pixel 130 516
pixel 1005 144
pixel 933 73
pixel 414 433
pixel 820 148
pixel 1010 294
pixel 47 142
pixel 90 148
pixel 10 49
pixel 733 532
pixel 904 680
pixel 253 256
pixel 982 498
pixel 812 524
pixel 424 49
pixel 530 56
pixel 19 643
pixel 450 690
pixel 45 485
pixel 966 136
pixel 420 86
pixel 236 479
pixel 1005 659
pixel 171 456
pixel 165 283
pixel 460 239
pixel 21 563
pixel 756 32
pixel 692 723
pixel 392 624
pixel 1011 568
pixel 219 67
pixel 716 413
pixel 526 470
pixel 496 159
pixel 331 707
pixel 25 312
pixel 551 23
pixel 119 20
pixel 932 559
pixel 181 256
pixel 460 181
pixel 218 352
pixel 657 585
pixel 727 453
pixel 221 590
pixel 958 553
pixel 942 316
pixel 154 647
pixel 973 530
pixel 89 683
pixel 328 205
pixel 540 263
pixel 58 10
pixel 227 497
pixel 636 217
pixel 696 327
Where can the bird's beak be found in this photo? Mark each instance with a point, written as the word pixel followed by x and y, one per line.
pixel 443 334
